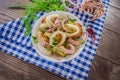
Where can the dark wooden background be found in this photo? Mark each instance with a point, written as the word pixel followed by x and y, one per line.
pixel 106 65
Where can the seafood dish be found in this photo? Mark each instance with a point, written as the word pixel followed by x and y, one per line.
pixel 59 36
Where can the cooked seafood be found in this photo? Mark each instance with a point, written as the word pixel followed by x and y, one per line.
pixel 60 36
pixel 93 7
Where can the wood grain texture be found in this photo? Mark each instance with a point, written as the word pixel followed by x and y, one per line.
pixel 4 4
pixel 102 69
pixel 109 46
pixel 112 21
pixel 106 65
pixel 115 3
pixel 4 19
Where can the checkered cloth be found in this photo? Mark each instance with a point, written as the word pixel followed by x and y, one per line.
pixel 14 42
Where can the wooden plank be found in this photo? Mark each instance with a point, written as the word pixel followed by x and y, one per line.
pixel 102 69
pixel 4 4
pixel 115 3
pixel 113 16
pixel 112 19
pixel 4 18
pixel 12 68
pixel 109 46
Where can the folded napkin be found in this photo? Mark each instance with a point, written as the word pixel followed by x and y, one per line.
pixel 14 42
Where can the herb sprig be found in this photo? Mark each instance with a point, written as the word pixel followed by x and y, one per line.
pixel 35 40
pixel 37 6
pixel 55 42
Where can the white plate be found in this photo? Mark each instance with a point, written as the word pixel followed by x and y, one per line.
pixel 50 58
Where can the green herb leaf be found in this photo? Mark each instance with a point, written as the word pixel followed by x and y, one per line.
pixel 35 40
pixel 43 30
pixel 83 42
pixel 72 20
pixel 59 52
pixel 37 6
pixel 68 4
pixel 55 42
pixel 34 37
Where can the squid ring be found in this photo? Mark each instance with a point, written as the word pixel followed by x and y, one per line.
pixel 41 44
pixel 73 27
pixel 54 34
pixel 43 26
pixel 49 19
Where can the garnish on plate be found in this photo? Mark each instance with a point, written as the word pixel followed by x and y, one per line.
pixel 35 40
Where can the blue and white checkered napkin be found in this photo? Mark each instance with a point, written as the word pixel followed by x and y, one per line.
pixel 14 42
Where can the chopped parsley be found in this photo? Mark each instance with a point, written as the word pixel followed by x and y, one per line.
pixel 72 20
pixel 34 39
pixel 55 42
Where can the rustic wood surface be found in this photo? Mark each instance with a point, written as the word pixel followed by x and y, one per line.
pixel 106 65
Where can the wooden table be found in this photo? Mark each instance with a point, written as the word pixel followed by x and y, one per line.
pixel 106 65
